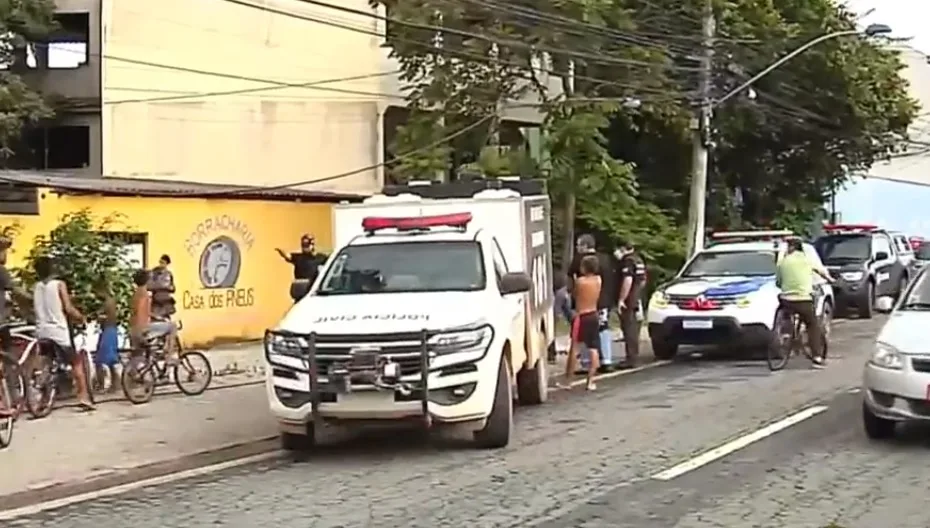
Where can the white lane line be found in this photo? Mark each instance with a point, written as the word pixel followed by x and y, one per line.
pixel 735 445
pixel 6 515
pixel 610 375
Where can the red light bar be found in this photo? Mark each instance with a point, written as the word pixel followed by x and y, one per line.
pixel 412 223
pixel 916 242
pixel 849 227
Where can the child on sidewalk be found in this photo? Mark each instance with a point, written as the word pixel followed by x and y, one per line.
pixel 107 356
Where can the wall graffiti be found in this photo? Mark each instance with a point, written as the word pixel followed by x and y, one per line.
pixel 218 244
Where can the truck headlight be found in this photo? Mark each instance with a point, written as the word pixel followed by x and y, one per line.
pixel 886 356
pixel 659 299
pixel 472 341
pixel 852 276
pixel 286 346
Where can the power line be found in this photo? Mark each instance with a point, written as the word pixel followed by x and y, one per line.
pixel 469 34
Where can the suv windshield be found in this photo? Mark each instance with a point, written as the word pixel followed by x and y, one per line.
pixel 717 263
pixel 843 247
pixel 923 252
pixel 405 267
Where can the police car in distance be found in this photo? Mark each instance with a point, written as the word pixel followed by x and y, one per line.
pixel 726 294
pixel 866 263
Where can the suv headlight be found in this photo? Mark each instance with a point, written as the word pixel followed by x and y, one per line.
pixel 472 341
pixel 886 356
pixel 659 299
pixel 851 276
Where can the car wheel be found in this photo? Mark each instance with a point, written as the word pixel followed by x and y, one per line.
pixel 496 431
pixel 876 428
pixel 867 305
pixel 902 286
pixel 663 350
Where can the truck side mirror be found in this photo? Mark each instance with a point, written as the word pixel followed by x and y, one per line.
pixel 881 255
pixel 300 288
pixel 515 283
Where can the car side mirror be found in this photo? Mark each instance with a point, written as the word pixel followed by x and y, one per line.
pixel 515 283
pixel 300 288
pixel 881 255
pixel 884 304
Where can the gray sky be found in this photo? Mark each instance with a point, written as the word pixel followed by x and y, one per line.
pixel 907 18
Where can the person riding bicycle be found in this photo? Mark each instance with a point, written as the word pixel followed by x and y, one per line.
pixel 7 285
pixel 144 326
pixel 795 276
pixel 53 308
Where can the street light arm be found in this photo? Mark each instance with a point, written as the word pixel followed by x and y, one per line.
pixel 779 62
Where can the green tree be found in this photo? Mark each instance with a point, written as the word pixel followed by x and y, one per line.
pixel 22 22
pixel 84 255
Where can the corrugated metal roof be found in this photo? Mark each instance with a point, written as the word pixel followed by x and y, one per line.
pixel 76 184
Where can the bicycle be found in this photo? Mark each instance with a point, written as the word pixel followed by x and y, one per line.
pixel 152 367
pixel 10 397
pixel 44 382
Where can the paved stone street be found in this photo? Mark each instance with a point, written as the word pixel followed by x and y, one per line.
pixel 584 460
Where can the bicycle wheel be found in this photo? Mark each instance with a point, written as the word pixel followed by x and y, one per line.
pixel 138 382
pixel 7 408
pixel 40 389
pixel 195 368
pixel 779 350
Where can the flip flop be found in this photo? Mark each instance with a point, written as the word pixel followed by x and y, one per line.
pixel 86 407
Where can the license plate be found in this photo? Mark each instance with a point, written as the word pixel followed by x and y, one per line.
pixel 697 324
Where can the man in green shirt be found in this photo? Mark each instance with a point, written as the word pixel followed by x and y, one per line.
pixel 795 276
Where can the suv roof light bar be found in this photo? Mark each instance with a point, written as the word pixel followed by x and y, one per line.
pixel 373 224
pixel 753 235
pixel 850 228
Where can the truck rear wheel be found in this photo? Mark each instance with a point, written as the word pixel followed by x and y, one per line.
pixel 496 432
pixel 297 442
pixel 533 384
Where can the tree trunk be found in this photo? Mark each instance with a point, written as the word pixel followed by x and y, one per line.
pixel 568 238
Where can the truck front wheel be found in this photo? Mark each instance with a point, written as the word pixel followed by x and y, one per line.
pixel 496 432
pixel 293 442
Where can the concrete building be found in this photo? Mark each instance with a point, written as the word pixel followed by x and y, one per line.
pixel 216 92
pixel 895 194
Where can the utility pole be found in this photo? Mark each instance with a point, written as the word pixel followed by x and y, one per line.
pixel 700 127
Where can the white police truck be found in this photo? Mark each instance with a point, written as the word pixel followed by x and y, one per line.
pixel 726 295
pixel 436 307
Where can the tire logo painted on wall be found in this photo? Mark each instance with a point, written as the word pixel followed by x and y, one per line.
pixel 220 263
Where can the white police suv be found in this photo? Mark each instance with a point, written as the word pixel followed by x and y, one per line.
pixel 726 295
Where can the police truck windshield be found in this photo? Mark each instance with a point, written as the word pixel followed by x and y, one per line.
pixel 727 263
pixel 405 267
pixel 839 248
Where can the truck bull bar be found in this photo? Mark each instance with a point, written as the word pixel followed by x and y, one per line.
pixel 362 366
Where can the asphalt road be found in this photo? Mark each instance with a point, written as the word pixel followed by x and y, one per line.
pixel 587 461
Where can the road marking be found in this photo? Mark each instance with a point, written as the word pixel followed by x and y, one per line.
pixel 32 509
pixel 610 375
pixel 735 445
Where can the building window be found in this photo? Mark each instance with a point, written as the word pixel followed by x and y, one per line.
pixel 69 46
pixel 54 147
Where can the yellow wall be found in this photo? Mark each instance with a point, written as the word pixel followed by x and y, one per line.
pixel 258 138
pixel 182 228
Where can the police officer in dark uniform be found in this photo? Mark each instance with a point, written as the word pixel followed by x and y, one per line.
pixel 607 270
pixel 631 276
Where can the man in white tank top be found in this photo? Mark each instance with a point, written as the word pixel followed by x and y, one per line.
pixel 52 305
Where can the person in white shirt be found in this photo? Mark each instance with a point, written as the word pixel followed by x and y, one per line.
pixel 53 306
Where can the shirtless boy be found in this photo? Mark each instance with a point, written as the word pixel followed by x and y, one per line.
pixel 586 325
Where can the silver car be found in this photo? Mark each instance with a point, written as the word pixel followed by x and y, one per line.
pixel 896 381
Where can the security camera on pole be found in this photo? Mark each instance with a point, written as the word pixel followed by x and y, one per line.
pixel 701 123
